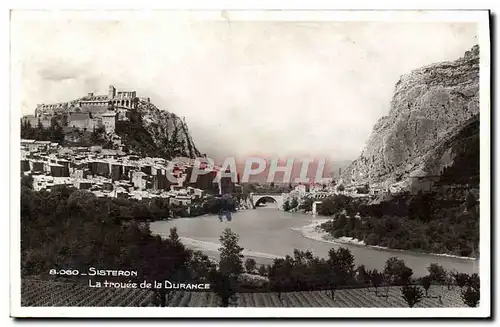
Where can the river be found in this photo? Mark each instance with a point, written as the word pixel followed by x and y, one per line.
pixel 266 233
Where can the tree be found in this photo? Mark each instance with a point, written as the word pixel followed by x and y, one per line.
pixel 411 294
pixel 225 279
pixel 200 266
pixel 27 131
pixel 262 270
pixel 98 136
pixel 224 286
pixel 250 265
pixel 342 265
pixel 449 279
pixel 470 296
pixel 306 204
pixel 40 133
pixel 280 275
pixel 286 206
pixel 230 253
pixel 56 132
pixel 470 201
pixel 341 188
pixel 426 283
pixel 82 201
pixel 376 278
pixel 461 279
pixel 27 181
pixel 294 203
pixel 437 273
pixel 362 275
pixel 333 282
pixel 473 281
pixel 405 276
pixel 168 260
pixel 397 271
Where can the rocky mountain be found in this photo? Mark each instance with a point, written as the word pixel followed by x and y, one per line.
pixel 418 138
pixel 154 132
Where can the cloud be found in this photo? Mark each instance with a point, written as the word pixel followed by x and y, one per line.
pixel 59 70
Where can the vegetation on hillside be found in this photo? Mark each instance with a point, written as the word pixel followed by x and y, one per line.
pixel 140 139
pixel 65 229
pixel 444 219
pixel 137 138
pixel 420 222
pixel 53 133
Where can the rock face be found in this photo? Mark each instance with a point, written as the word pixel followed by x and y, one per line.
pixel 154 132
pixel 167 129
pixel 429 104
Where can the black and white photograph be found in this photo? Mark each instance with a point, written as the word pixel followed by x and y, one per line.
pixel 250 163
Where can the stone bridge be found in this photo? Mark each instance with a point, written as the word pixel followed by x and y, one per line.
pixel 279 198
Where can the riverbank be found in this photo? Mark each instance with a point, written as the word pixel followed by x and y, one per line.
pixel 315 232
pixel 214 247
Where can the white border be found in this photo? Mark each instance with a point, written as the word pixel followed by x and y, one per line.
pixel 481 17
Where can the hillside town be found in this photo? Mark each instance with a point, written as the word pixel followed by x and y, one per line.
pixel 113 173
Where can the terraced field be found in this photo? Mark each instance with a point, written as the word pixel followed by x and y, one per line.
pixel 45 293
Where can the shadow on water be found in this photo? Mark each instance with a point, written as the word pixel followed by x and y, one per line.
pixel 267 206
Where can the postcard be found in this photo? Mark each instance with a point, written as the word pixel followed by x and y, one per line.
pixel 250 163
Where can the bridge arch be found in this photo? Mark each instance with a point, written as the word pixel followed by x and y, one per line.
pixel 263 199
pixel 258 198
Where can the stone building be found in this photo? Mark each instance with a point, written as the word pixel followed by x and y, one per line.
pixel 82 120
pixel 95 105
pixel 91 111
pixel 43 110
pixel 109 121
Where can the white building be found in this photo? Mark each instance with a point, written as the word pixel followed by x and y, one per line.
pixel 139 180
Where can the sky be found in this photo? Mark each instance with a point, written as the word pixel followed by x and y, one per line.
pixel 269 88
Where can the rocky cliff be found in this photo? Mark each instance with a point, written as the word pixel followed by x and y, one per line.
pixel 429 105
pixel 155 132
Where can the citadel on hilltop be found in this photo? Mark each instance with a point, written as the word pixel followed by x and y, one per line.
pixel 90 111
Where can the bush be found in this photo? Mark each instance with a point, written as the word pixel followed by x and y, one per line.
pixel 470 296
pixel 306 204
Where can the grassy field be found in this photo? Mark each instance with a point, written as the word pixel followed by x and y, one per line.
pixel 60 294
